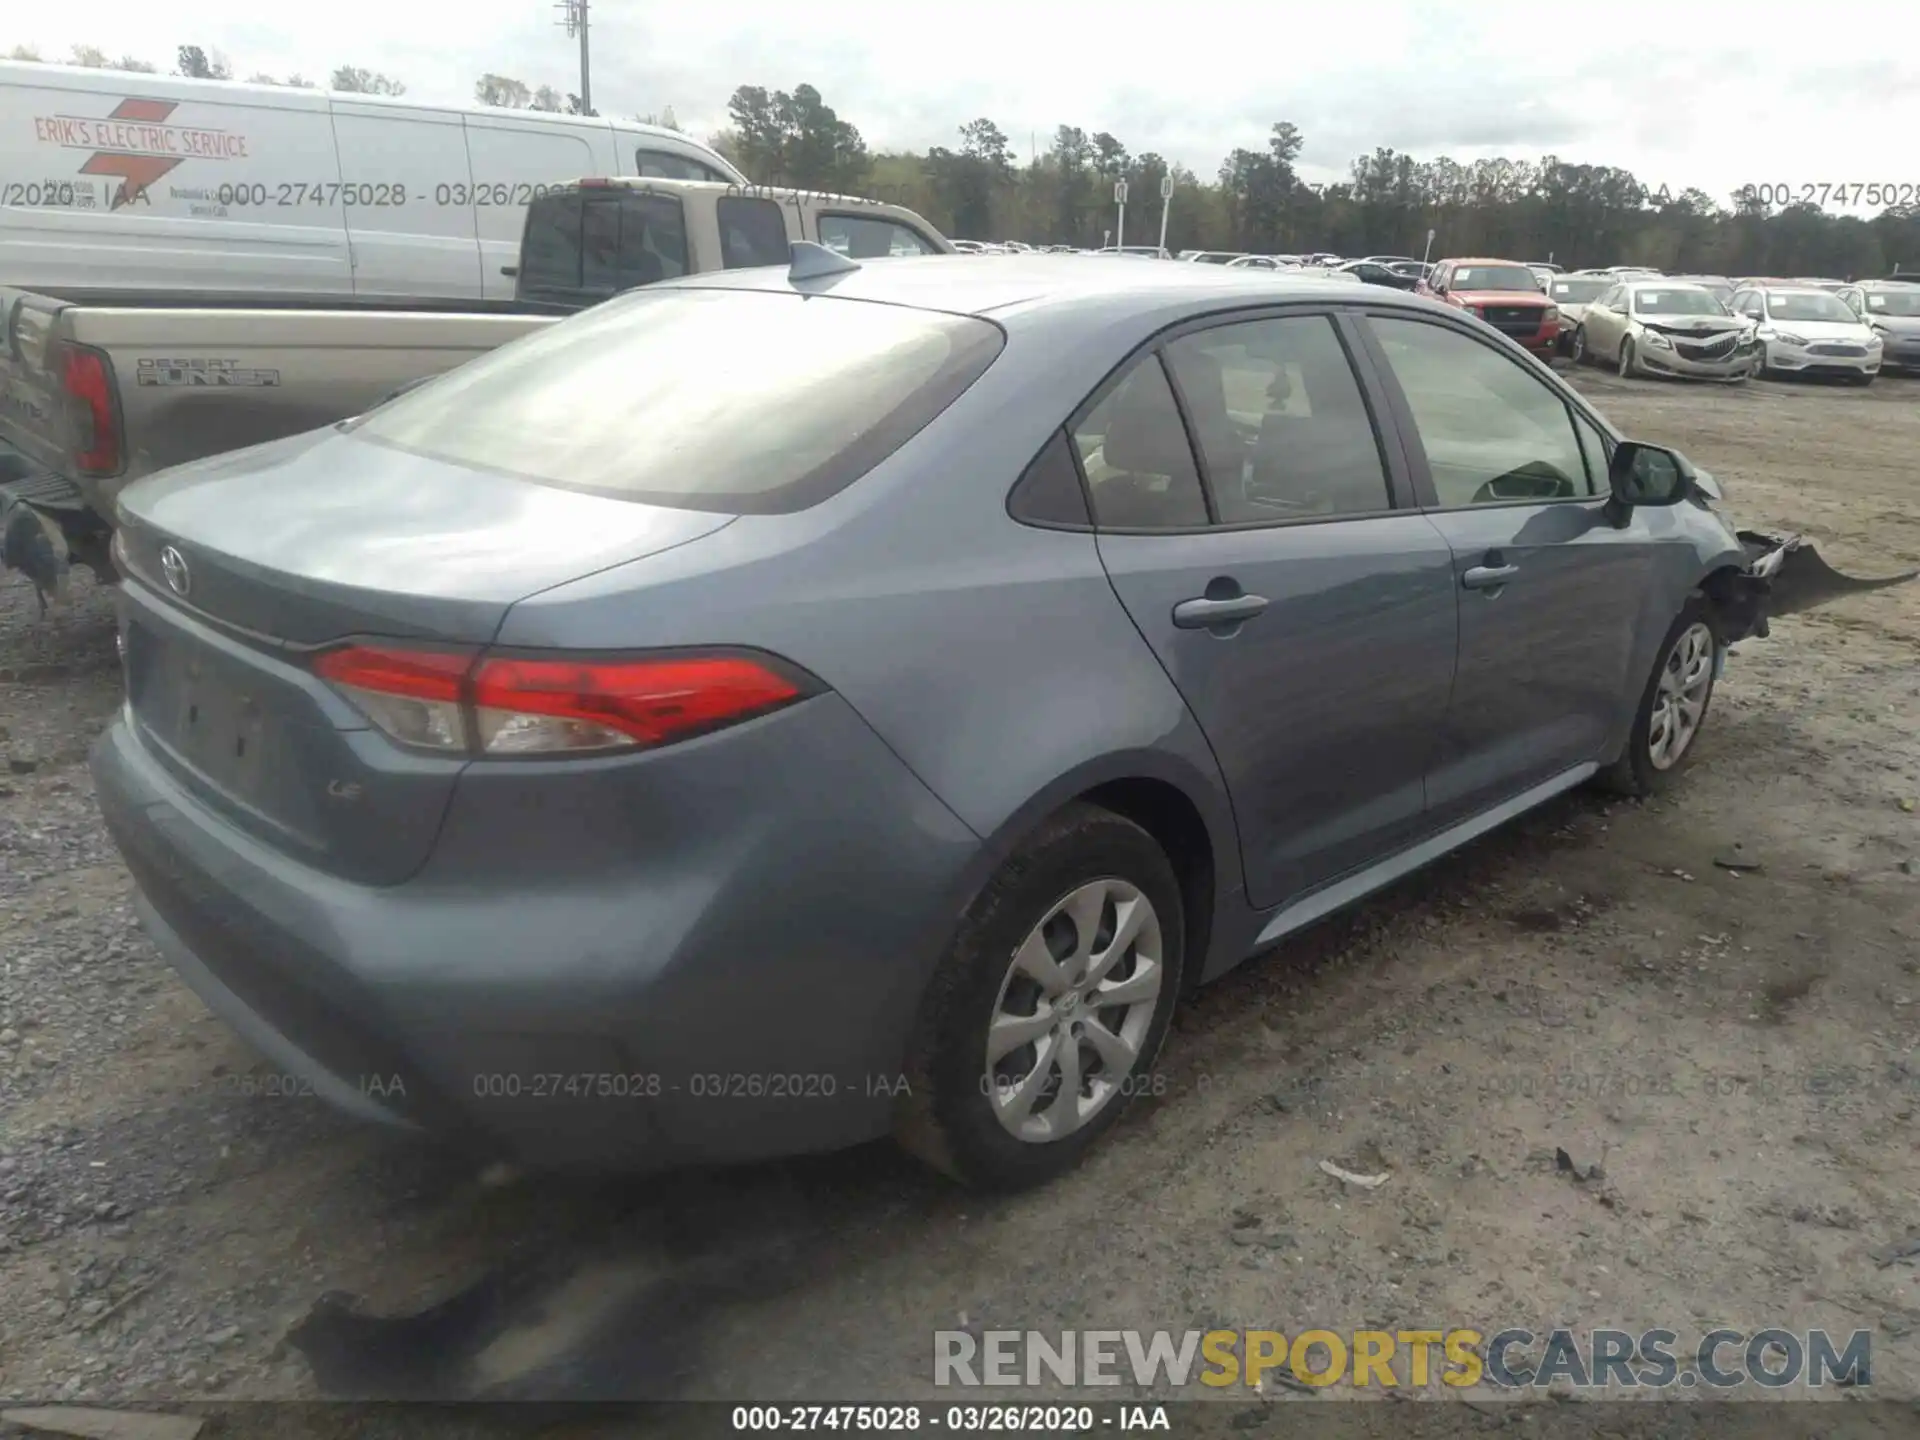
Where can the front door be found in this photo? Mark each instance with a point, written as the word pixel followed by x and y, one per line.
pixel 1308 622
pixel 1550 591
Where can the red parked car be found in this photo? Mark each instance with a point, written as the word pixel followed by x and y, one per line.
pixel 1505 294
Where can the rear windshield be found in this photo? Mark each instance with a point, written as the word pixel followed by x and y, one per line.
pixel 736 401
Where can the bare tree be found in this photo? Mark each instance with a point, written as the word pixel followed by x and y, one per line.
pixel 23 52
pixel 91 56
pixel 503 91
pixel 139 67
pixel 663 118
pixel 548 98
pixel 198 64
pixel 357 80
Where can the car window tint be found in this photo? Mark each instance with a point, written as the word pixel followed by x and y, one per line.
pixel 1049 491
pixel 550 246
pixel 1280 421
pixel 631 240
pixel 752 232
pixel 865 237
pixel 1492 432
pixel 1133 448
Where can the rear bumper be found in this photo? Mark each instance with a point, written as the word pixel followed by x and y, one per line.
pixel 751 997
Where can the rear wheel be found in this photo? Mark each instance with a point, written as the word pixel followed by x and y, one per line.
pixel 1673 707
pixel 1046 1014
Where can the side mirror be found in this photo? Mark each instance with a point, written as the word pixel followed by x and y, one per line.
pixel 1641 474
pixel 510 271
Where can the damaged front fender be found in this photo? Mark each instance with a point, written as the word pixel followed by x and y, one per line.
pixel 1784 575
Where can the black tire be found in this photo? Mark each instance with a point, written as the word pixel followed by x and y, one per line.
pixel 947 1119
pixel 1626 357
pixel 1863 380
pixel 1577 348
pixel 1634 772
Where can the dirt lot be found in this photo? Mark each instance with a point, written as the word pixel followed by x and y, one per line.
pixel 1737 1050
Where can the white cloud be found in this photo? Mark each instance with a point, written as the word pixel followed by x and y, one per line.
pixel 1705 94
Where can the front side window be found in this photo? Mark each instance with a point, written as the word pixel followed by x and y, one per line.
pixel 1134 451
pixel 752 232
pixel 1280 420
pixel 867 237
pixel 1492 432
pixel 734 401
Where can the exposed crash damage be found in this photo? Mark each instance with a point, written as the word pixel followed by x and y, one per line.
pixel 1785 576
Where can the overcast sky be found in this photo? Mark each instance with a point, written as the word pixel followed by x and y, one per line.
pixel 1701 93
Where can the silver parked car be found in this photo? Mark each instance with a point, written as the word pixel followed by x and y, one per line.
pixel 1664 327
pixel 779 708
pixel 1803 331
pixel 1891 309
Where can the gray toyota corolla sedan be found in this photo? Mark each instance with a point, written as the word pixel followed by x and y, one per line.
pixel 782 708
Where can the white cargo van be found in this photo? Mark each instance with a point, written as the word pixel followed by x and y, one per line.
pixel 144 183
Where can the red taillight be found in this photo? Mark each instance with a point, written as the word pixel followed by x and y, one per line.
pixel 596 184
pixel 507 705
pixel 535 705
pixel 88 380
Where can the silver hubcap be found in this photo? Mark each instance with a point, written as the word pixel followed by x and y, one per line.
pixel 1074 1010
pixel 1680 699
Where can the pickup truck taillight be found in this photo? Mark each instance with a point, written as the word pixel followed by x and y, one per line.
pixel 86 376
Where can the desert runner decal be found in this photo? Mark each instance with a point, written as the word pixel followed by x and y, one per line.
pixel 202 372
pixel 136 144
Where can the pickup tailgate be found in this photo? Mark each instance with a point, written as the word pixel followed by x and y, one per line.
pixel 33 415
pixel 189 381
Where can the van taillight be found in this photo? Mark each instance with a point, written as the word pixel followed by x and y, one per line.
pixel 546 705
pixel 87 377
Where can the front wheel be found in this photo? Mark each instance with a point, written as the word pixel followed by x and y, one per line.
pixel 1673 707
pixel 1626 358
pixel 1863 379
pixel 1577 351
pixel 1047 1013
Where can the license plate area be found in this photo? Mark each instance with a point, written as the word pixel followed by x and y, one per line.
pixel 203 711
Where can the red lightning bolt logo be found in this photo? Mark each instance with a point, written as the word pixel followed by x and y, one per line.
pixel 135 172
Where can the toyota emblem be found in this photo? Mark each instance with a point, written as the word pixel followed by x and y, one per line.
pixel 174 566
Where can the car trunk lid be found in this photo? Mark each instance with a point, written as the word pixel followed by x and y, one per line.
pixel 243 568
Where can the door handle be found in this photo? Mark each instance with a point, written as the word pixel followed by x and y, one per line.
pixel 1488 577
pixel 1204 614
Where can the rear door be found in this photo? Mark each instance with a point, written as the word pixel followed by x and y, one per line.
pixel 1550 592
pixel 402 170
pixel 754 230
pixel 512 161
pixel 1304 609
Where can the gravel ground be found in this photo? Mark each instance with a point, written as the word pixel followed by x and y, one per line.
pixel 1737 1050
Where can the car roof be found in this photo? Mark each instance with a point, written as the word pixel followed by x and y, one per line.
pixel 1663 282
pixel 1481 260
pixel 1022 286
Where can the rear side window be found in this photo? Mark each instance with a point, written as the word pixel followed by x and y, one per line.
pixel 752 232
pixel 734 401
pixel 664 165
pixel 866 237
pixel 1138 461
pixel 550 246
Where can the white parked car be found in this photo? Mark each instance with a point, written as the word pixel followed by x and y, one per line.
pixel 155 185
pixel 1803 331
pixel 1666 327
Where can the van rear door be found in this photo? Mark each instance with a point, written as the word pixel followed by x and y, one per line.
pixel 513 162
pixel 408 192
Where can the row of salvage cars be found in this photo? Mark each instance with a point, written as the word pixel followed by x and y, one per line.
pixel 1713 330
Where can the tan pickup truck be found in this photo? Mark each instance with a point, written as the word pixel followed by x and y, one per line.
pixel 99 387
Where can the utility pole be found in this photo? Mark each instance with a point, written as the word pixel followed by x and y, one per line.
pixel 574 19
